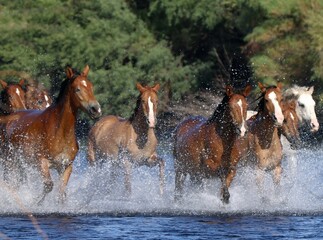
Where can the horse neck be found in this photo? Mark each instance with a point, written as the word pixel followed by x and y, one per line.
pixel 222 119
pixel 144 132
pixel 65 114
pixel 264 127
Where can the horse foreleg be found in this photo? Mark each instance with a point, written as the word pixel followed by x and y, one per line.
pixel 127 173
pixel 179 182
pixel 260 181
pixel 47 180
pixel 277 177
pixel 65 176
pixel 161 164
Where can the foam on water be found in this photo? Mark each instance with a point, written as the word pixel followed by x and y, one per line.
pixel 89 191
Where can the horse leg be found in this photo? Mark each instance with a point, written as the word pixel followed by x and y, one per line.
pixel 227 182
pixel 65 176
pixel 179 183
pixel 260 182
pixel 277 177
pixel 161 164
pixel 127 167
pixel 47 180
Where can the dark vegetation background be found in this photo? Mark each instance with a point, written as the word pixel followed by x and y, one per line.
pixel 192 48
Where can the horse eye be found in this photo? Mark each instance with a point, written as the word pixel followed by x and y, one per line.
pixel 77 89
pixel 301 105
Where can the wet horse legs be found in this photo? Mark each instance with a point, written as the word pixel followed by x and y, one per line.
pixel 47 180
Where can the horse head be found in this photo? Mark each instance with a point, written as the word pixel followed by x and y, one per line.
pixel 12 96
pixel 37 97
pixel 238 108
pixel 148 103
pixel 81 92
pixel 271 102
pixel 305 108
pixel 290 126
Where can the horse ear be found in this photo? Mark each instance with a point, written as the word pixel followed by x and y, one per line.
pixel 280 85
pixel 69 72
pixel 140 87
pixel 156 87
pixel 22 82
pixel 247 90
pixel 229 90
pixel 3 84
pixel 262 87
pixel 311 90
pixel 86 71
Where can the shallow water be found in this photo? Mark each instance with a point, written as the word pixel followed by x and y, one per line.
pixel 95 210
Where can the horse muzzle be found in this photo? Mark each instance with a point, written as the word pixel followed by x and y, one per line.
pixel 94 110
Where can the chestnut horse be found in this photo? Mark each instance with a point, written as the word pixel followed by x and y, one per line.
pixel 206 148
pixel 37 97
pixel 264 140
pixel 289 129
pixel 46 139
pixel 12 97
pixel 126 142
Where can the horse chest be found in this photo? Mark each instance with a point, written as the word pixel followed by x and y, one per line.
pixel 139 149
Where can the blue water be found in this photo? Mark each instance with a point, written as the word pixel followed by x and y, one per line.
pixel 95 211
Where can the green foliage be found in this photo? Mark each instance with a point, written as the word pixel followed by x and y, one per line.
pixel 42 37
pixel 286 45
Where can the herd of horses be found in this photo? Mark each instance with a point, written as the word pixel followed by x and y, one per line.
pixel 37 132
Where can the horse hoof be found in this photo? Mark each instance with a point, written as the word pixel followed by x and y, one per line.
pixel 225 196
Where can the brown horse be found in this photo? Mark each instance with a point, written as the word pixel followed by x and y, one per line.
pixel 46 139
pixel 289 129
pixel 290 125
pixel 12 97
pixel 125 142
pixel 208 147
pixel 37 97
pixel 264 140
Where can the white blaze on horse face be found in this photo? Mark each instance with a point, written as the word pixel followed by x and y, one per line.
pixel 47 101
pixel 84 83
pixel 278 111
pixel 305 110
pixel 151 115
pixel 17 91
pixel 292 116
pixel 242 128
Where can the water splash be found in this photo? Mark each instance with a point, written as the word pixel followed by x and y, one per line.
pixel 89 191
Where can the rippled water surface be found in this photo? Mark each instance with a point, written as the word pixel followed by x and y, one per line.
pixel 96 210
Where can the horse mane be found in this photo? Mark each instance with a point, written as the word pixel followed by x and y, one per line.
pixel 138 103
pixel 219 111
pixel 294 92
pixel 65 84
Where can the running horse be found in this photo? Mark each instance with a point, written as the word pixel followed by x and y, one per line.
pixel 46 139
pixel 127 142
pixel 12 97
pixel 206 148
pixel 264 143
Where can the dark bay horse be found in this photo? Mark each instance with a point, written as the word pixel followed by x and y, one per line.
pixel 46 139
pixel 263 136
pixel 37 97
pixel 125 142
pixel 208 147
pixel 12 97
